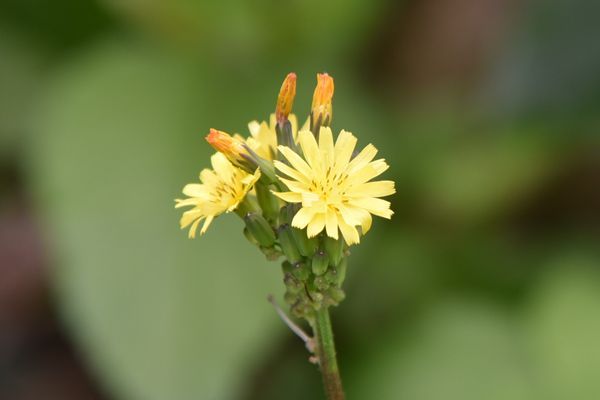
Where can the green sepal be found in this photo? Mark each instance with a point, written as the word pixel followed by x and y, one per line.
pixel 334 248
pixel 306 246
pixel 301 271
pixel 336 294
pixel 267 201
pixel 320 262
pixel 287 212
pixel 288 244
pixel 250 238
pixel 259 228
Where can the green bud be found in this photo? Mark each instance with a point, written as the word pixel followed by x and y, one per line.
pixel 260 229
pixel 287 212
pixel 300 271
pixel 335 249
pixel 250 238
pixel 336 294
pixel 307 246
pixel 287 243
pixel 290 298
pixel 291 283
pixel 320 262
pixel 321 283
pixel 287 267
pixel 271 253
pixel 267 201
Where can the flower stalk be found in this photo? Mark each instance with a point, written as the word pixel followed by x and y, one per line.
pixel 326 354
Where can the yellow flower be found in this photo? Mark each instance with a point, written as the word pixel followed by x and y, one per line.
pixel 333 187
pixel 221 190
pixel 263 137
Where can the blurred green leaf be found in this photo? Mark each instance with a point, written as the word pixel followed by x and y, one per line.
pixel 157 315
pixel 461 350
pixel 564 328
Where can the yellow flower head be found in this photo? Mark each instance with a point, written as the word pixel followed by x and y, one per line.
pixel 332 186
pixel 221 190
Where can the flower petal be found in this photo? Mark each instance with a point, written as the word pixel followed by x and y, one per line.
pixel 349 233
pixel 316 225
pixel 290 197
pixel 303 217
pixel 331 224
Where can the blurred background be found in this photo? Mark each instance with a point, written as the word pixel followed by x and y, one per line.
pixel 485 284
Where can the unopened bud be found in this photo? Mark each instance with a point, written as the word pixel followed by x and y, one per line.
pixel 288 245
pixel 267 201
pixel 335 249
pixel 260 229
pixel 307 246
pixel 321 111
pixel 320 262
pixel 285 100
pixel 240 154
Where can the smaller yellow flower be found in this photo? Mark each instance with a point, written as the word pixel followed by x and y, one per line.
pixel 220 191
pixel 332 186
pixel 263 137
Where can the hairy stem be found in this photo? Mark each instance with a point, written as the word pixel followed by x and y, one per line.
pixel 326 354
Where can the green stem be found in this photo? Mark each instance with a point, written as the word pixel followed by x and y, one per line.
pixel 326 353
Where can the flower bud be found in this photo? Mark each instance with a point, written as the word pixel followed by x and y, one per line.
pixel 320 262
pixel 285 101
pixel 288 245
pixel 307 246
pixel 267 201
pixel 335 249
pixel 240 154
pixel 321 111
pixel 260 229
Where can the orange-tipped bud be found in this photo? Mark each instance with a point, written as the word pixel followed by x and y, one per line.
pixel 321 111
pixel 285 101
pixel 239 154
pixel 231 147
pixel 224 142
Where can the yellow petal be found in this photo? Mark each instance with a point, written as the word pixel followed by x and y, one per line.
pixel 344 146
pixel 367 172
pixel 290 197
pixel 303 217
pixel 372 189
pixel 310 149
pixel 192 232
pixel 254 127
pixel 294 186
pixel 326 146
pixel 366 224
pixel 222 166
pixel 292 173
pixel 297 162
pixel 195 190
pixel 206 224
pixel 191 201
pixel 349 233
pixel 331 224
pixel 362 159
pixel 373 205
pixel 316 225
